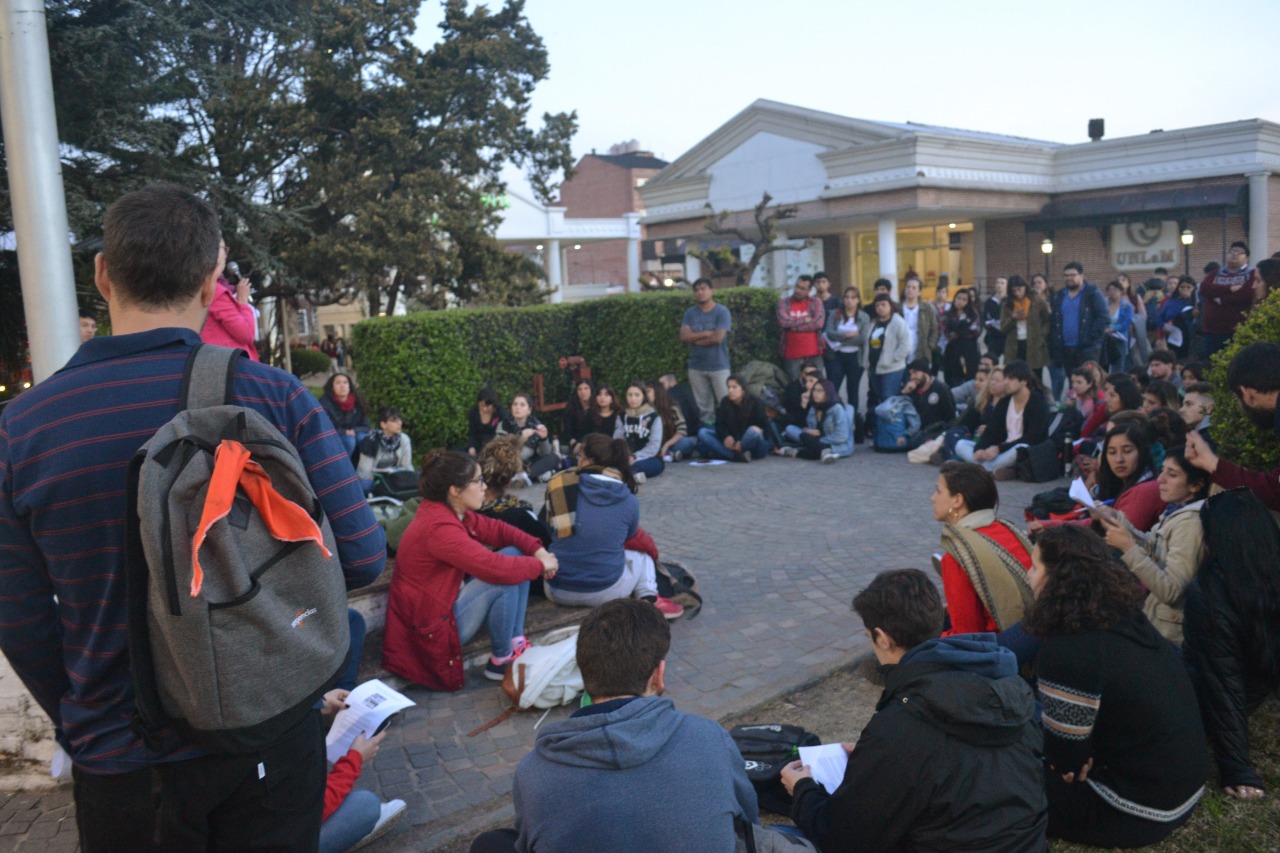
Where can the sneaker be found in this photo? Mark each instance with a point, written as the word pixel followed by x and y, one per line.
pixel 676 456
pixel 391 812
pixel 638 476
pixel 743 457
pixel 828 457
pixel 519 645
pixel 496 668
pixel 788 451
pixel 668 608
pixel 1006 473
pixel 667 458
pixel 545 476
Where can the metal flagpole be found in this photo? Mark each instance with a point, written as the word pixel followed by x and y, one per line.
pixel 35 186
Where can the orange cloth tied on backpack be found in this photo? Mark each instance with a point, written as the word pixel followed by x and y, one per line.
pixel 233 468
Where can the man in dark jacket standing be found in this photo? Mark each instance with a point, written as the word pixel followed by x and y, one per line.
pixel 1078 323
pixel 950 761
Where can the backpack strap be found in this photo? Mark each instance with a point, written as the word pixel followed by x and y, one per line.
pixel 208 377
pixel 997 576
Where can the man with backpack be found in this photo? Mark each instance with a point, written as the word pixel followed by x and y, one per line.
pixel 66 448
pixel 629 772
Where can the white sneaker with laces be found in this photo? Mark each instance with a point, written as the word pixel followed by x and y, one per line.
pixel 639 476
pixel 391 812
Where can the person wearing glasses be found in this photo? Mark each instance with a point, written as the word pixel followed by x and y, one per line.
pixel 1227 295
pixel 455 571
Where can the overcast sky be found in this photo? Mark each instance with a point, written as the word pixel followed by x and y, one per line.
pixel 669 72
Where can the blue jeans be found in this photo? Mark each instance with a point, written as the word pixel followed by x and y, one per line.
pixel 684 446
pixel 753 442
pixel 651 467
pixel 888 385
pixel 353 820
pixel 501 605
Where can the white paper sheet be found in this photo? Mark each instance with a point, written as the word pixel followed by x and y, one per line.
pixel 827 762
pixel 707 462
pixel 369 706
pixel 1079 493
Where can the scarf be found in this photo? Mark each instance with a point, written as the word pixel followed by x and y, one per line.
pixel 560 511
pixel 346 405
pixel 1023 305
pixel 998 577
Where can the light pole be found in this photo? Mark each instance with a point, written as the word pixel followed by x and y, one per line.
pixel 1046 248
pixel 1187 239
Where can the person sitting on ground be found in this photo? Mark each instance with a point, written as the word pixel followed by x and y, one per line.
pixel 448 582
pixel 739 432
pixel 682 394
pixel 966 391
pixel 985 559
pixel 594 519
pixel 499 465
pixel 577 415
pixel 1084 394
pixel 641 428
pixel 974 414
pixel 1163 365
pixel 1254 377
pixel 795 396
pixel 628 772
pixel 346 408
pixel 384 450
pixel 483 420
pixel 604 412
pixel 1167 559
pixel 1019 420
pixel 1123 742
pixel 1119 394
pixel 1194 371
pixel 953 708
pixel 353 817
pixel 931 398
pixel 1197 408
pixel 1158 393
pixel 828 431
pixel 676 441
pixel 1232 630
pixel 1166 431
pixel 532 437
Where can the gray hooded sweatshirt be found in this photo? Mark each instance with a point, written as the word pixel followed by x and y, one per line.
pixel 642 777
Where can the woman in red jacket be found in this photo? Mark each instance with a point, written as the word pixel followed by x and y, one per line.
pixel 447 581
pixel 985 559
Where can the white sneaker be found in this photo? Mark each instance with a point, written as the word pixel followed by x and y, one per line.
pixel 638 476
pixel 391 811
pixel 546 476
pixel 828 457
pixel 676 456
pixel 788 451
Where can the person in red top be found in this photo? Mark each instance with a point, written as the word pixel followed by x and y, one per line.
pixel 802 318
pixel 353 818
pixel 1226 296
pixel 448 581
pixel 966 497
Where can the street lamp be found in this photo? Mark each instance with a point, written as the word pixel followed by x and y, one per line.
pixel 1046 248
pixel 1187 239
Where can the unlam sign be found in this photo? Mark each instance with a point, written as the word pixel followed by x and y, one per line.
pixel 1137 246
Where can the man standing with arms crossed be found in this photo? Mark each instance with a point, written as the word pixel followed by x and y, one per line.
pixel 706 327
pixel 65 447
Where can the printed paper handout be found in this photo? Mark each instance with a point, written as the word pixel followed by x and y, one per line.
pixel 368 707
pixel 827 762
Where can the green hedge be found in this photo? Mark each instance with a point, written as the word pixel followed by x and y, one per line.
pixel 1237 437
pixel 432 363
pixel 306 361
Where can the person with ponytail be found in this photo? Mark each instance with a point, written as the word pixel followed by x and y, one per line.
pixel 456 570
pixel 1019 420
pixel 595 531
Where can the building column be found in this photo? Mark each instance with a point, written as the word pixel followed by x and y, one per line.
pixel 692 268
pixel 634 233
pixel 980 280
pixel 889 252
pixel 554 275
pixel 778 266
pixel 1258 219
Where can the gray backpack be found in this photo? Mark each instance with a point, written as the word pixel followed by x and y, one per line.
pixel 231 643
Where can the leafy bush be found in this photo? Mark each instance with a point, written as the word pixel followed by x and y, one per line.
pixel 431 364
pixel 306 361
pixel 1237 437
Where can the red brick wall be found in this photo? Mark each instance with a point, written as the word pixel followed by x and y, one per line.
pixel 598 263
pixel 601 189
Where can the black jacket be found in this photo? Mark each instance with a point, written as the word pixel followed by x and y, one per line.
pixel 1035 423
pixel 1094 320
pixel 479 433
pixel 1218 647
pixel 935 406
pixel 732 420
pixel 950 762
pixel 683 396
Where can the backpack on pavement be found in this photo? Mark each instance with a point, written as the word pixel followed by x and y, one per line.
pixel 766 748
pixel 544 676
pixel 236 600
pixel 678 584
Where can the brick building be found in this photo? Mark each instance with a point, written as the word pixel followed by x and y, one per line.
pixel 605 186
pixel 883 199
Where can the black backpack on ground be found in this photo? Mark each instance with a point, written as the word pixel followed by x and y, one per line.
pixel 678 584
pixel 766 748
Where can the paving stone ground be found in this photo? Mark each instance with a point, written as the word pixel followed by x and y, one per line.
pixel 779 547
